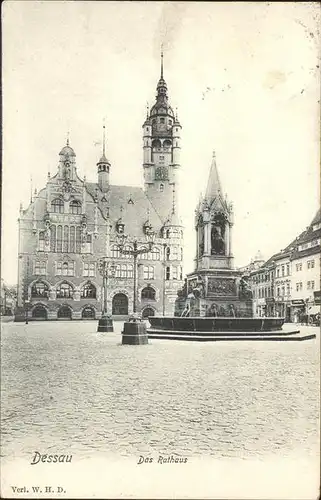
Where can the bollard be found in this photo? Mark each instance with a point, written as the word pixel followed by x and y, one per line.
pixel 105 324
pixel 134 332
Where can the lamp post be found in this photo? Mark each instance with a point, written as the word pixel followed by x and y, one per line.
pixel 164 276
pixel 135 251
pixel 106 269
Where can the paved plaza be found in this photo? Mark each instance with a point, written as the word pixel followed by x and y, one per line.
pixel 62 382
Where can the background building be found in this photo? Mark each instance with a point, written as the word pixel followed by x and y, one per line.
pixel 72 223
pixel 288 284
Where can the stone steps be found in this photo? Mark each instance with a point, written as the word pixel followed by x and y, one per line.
pixel 230 336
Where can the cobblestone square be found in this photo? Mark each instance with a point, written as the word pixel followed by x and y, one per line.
pixel 64 384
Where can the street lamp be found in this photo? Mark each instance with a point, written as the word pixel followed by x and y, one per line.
pixel 135 251
pixel 107 269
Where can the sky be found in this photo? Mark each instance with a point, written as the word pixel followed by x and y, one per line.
pixel 244 76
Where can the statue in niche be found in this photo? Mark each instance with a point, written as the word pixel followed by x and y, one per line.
pixel 218 234
pixel 217 241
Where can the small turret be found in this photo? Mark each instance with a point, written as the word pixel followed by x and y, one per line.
pixel 103 168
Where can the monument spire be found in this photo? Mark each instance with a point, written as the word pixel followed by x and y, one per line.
pixel 213 188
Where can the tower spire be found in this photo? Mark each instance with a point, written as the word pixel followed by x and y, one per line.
pixel 67 141
pixel 213 184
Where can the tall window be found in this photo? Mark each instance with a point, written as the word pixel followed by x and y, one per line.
pixel 57 206
pixel 115 252
pixel 65 268
pixel 78 239
pixel 40 289
pixel 66 239
pixel 174 273
pixel 148 272
pixel 41 241
pixel 72 241
pixel 282 270
pixel 124 271
pixel 175 253
pixel 89 269
pixel 53 238
pixel 65 290
pixel 59 239
pixel 148 293
pixel 88 291
pixel 288 288
pixel 288 269
pixel 75 207
pixel 40 267
pixel 168 273
pixel 155 253
pixel 168 253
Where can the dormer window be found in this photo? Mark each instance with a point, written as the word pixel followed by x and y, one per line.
pixel 120 227
pixel 147 227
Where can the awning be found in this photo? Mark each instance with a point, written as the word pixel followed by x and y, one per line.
pixel 314 310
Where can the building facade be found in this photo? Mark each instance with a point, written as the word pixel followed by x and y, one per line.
pixel 71 223
pixel 288 284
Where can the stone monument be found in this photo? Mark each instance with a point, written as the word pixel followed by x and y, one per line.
pixel 215 288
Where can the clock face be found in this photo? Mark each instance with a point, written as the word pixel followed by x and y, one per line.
pixel 161 173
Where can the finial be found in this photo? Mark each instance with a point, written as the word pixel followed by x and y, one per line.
pixel 48 175
pixel 214 155
pixel 36 192
pixel 162 61
pixel 147 110
pixel 176 114
pixel 104 137
pixel 30 188
pixel 67 142
pixel 121 210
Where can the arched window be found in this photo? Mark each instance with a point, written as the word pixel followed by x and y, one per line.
pixel 65 290
pixel 41 241
pixel 155 253
pixel 39 312
pixel 161 187
pixel 40 289
pixel 181 253
pixel 115 252
pixel 75 207
pixel 148 311
pixel 57 206
pixel 149 273
pixel 168 253
pixel 88 291
pixel 156 143
pixel 167 143
pixel 148 293
pixel 168 233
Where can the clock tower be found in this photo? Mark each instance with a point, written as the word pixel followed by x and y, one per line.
pixel 161 136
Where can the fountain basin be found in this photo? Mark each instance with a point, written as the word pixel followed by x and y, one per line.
pixel 215 324
pixel 204 329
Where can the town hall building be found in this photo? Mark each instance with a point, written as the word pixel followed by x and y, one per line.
pixel 70 224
